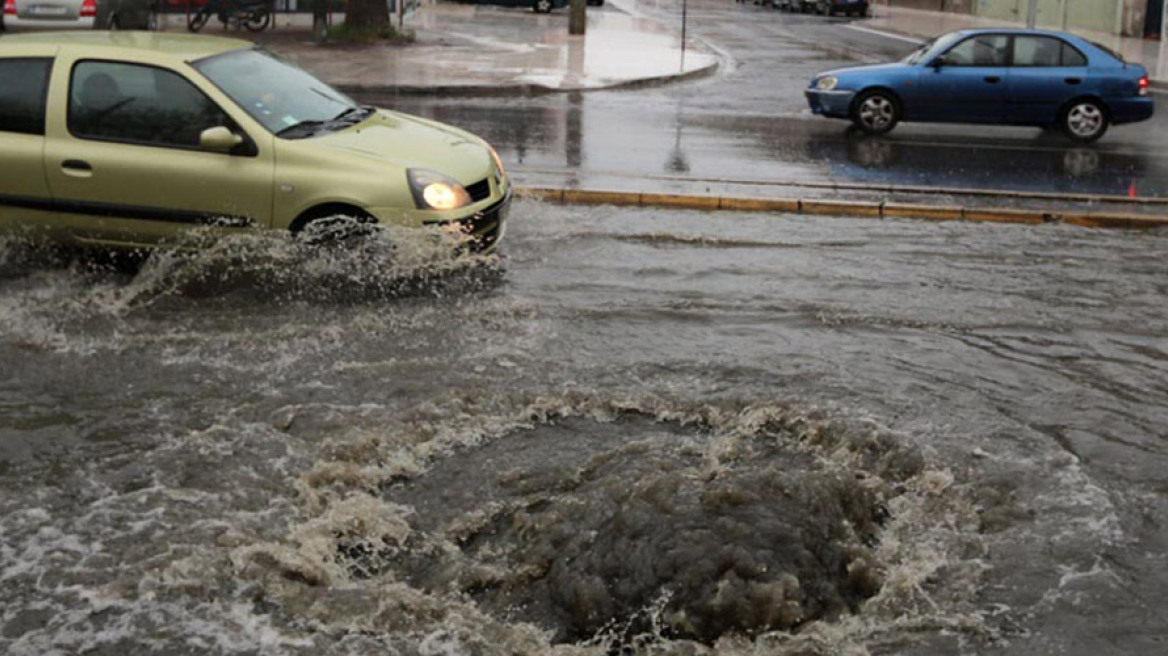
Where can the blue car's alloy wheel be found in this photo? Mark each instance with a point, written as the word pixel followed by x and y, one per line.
pixel 1085 121
pixel 876 112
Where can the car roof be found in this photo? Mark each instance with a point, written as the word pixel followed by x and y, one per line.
pixel 1017 30
pixel 183 47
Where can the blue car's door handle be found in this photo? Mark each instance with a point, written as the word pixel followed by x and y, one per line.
pixel 1073 80
pixel 993 79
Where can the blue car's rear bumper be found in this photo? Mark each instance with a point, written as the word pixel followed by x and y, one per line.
pixel 1130 110
pixel 836 103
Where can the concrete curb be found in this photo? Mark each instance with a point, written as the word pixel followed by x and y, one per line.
pixel 846 208
pixel 514 90
pixel 835 186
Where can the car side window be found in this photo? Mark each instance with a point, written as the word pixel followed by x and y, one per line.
pixel 113 101
pixel 981 50
pixel 1072 56
pixel 23 83
pixel 1037 51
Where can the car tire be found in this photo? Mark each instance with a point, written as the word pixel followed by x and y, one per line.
pixel 542 6
pixel 876 111
pixel 1084 120
pixel 258 22
pixel 198 20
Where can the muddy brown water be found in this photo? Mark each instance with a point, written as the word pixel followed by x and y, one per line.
pixel 637 431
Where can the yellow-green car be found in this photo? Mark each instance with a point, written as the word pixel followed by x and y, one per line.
pixel 127 138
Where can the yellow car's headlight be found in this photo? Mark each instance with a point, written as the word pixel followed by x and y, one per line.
pixel 434 191
pixel 826 83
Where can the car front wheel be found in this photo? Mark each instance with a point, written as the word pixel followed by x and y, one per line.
pixel 876 112
pixel 1084 121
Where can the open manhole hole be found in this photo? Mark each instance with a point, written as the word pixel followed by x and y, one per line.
pixel 605 531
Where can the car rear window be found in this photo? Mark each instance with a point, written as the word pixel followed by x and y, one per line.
pixel 1045 51
pixel 23 83
pixel 1109 51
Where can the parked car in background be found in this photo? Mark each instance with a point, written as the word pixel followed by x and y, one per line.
pixel 826 7
pixel 1011 77
pixel 48 14
pixel 538 6
pixel 127 14
pixel 848 7
pixel 794 5
pixel 127 139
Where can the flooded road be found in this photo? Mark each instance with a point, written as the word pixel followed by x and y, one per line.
pixel 676 432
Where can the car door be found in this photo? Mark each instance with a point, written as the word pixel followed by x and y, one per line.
pixel 967 83
pixel 25 201
pixel 123 160
pixel 1045 73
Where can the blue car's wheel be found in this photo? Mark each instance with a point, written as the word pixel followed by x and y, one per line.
pixel 1084 120
pixel 876 112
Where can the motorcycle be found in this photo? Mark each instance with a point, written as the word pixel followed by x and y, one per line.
pixel 255 15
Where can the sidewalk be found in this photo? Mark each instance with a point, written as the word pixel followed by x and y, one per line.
pixel 923 24
pixel 489 50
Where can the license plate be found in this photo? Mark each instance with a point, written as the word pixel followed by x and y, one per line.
pixel 47 10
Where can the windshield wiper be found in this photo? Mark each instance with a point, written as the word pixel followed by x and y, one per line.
pixel 357 114
pixel 308 126
pixel 350 116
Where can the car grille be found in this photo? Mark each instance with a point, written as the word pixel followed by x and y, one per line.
pixel 479 190
pixel 484 227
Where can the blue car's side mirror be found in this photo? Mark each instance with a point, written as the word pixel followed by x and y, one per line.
pixel 939 61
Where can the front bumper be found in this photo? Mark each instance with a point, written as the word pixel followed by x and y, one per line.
pixel 836 103
pixel 485 228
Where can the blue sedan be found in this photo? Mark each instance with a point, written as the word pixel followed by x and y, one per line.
pixel 1008 77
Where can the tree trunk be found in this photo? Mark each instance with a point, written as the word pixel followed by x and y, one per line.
pixel 367 14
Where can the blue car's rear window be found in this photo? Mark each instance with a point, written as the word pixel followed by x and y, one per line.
pixel 1109 51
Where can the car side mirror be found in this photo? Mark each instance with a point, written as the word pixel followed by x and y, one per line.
pixel 219 139
pixel 941 60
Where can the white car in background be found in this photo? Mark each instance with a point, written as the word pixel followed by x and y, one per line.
pixel 49 14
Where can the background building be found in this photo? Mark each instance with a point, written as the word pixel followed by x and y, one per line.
pixel 1116 17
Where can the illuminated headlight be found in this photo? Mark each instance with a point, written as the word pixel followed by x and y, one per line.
pixel 434 191
pixel 826 83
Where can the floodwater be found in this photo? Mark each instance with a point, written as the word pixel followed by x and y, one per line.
pixel 634 431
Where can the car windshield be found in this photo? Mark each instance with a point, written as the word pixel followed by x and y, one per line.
pixel 931 49
pixel 279 95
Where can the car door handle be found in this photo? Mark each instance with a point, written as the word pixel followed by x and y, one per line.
pixel 993 79
pixel 1073 80
pixel 77 168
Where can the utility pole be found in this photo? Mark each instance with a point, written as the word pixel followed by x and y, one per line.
pixel 576 17
pixel 1164 27
pixel 1032 15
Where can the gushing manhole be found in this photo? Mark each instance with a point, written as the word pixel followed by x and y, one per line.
pixel 607 530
